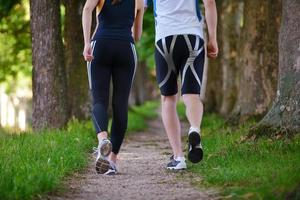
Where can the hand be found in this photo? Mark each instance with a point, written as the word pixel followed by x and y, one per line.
pixel 87 53
pixel 212 49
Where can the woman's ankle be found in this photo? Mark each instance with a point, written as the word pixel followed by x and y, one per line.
pixel 102 135
pixel 113 157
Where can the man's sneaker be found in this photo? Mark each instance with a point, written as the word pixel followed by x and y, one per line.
pixel 176 163
pixel 195 154
pixel 104 148
pixel 194 136
pixel 112 170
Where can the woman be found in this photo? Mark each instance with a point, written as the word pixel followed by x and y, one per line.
pixel 111 55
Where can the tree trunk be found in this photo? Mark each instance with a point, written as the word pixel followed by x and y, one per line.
pixel 78 91
pixel 213 93
pixel 140 92
pixel 49 80
pixel 285 113
pixel 258 59
pixel 231 28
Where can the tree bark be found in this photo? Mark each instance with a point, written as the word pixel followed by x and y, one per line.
pixel 285 113
pixel 78 91
pixel 49 80
pixel 258 59
pixel 231 29
pixel 140 88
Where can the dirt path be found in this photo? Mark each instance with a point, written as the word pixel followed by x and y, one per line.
pixel 142 174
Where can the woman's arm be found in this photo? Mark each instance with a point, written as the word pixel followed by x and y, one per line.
pixel 97 24
pixel 211 21
pixel 138 22
pixel 86 25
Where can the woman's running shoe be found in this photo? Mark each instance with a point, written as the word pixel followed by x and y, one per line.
pixel 105 147
pixel 102 151
pixel 112 170
pixel 102 165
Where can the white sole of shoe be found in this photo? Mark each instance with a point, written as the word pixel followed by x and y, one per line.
pixel 180 166
pixel 110 172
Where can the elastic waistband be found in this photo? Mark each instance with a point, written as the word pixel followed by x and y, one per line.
pixel 114 34
pixel 164 31
pixel 178 35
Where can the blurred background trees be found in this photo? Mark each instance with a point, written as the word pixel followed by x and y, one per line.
pixel 285 112
pixel 258 59
pixel 49 80
pixel 242 82
pixel 15 64
pixel 78 91
pixel 15 45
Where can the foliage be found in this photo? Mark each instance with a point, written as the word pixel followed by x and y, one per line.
pixel 181 111
pixel 139 114
pixel 258 169
pixel 15 46
pixel 145 47
pixel 36 163
pixel 6 6
pixel 148 110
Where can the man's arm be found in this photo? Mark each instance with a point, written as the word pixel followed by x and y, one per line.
pixel 211 21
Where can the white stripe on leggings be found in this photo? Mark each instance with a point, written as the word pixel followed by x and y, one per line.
pixel 89 65
pixel 135 61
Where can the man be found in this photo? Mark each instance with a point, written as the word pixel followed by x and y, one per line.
pixel 180 50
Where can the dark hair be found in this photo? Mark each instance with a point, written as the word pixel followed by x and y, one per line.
pixel 114 2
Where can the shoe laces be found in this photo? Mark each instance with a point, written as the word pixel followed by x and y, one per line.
pixel 96 151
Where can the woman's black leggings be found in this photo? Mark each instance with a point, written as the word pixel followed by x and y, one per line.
pixel 116 60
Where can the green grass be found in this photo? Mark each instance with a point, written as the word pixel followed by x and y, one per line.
pixel 147 110
pixel 34 164
pixel 181 111
pixel 262 169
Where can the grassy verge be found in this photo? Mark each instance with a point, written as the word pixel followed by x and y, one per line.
pixel 138 115
pixel 34 164
pixel 181 111
pixel 260 169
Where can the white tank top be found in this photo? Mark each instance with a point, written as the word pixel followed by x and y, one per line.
pixel 177 17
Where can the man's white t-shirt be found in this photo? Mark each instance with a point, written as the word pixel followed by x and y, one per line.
pixel 177 17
